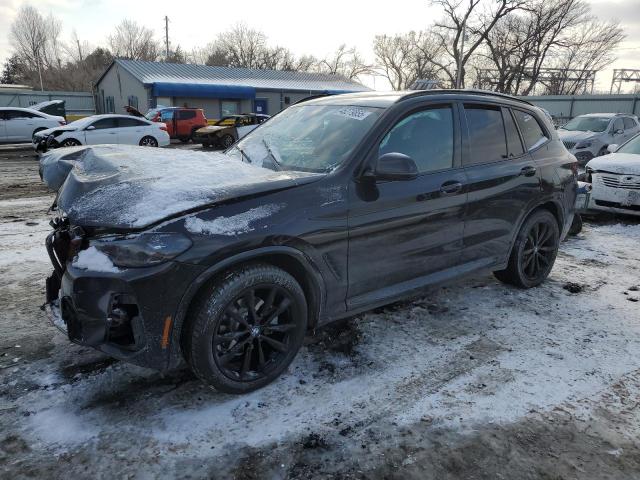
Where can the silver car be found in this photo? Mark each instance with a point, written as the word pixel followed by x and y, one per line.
pixel 588 136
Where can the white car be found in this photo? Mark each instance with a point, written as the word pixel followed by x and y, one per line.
pixel 615 179
pixel 21 124
pixel 104 129
pixel 588 136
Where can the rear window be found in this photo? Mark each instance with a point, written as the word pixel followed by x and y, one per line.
pixel 486 133
pixel 533 134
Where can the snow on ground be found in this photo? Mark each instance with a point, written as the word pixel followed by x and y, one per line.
pixel 476 379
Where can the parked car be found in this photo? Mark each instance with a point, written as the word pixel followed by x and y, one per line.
pixel 587 136
pixel 52 107
pixel 181 122
pixel 615 179
pixel 334 206
pixel 21 124
pixel 228 130
pixel 103 129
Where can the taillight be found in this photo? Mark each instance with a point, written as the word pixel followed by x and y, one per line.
pixel 163 127
pixel 62 122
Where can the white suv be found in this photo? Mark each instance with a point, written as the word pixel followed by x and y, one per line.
pixel 588 136
pixel 21 124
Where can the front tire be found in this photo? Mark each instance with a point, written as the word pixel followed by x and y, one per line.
pixel 246 328
pixel 70 142
pixel 534 251
pixel 226 141
pixel 148 141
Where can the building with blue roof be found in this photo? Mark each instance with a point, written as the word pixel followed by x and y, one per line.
pixel 219 91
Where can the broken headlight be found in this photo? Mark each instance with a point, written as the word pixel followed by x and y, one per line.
pixel 145 249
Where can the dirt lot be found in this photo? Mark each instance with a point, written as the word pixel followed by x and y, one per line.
pixel 476 380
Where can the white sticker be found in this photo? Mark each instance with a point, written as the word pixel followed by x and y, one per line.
pixel 356 113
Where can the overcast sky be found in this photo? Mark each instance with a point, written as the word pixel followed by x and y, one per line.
pixel 317 29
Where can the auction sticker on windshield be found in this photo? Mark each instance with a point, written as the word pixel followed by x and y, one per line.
pixel 354 112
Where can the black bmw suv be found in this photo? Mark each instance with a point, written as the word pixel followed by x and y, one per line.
pixel 335 206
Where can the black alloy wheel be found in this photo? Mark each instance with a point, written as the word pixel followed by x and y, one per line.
pixel 148 141
pixel 70 142
pixel 534 251
pixel 254 335
pixel 246 328
pixel 227 140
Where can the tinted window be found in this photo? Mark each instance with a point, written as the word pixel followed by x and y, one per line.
pixel 629 123
pixel 186 114
pixel 514 143
pixel 531 130
pixel 11 114
pixel 105 123
pixel 130 122
pixel 486 133
pixel 425 136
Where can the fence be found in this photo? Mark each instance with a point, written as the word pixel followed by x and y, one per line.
pixel 564 107
pixel 78 104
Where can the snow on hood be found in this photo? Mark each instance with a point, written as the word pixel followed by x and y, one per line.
pixel 124 187
pixel 622 163
pixel 49 131
pixel 56 164
pixel 576 136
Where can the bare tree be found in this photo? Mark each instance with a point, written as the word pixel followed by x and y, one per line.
pixel 465 27
pixel 346 62
pixel 405 58
pixel 134 42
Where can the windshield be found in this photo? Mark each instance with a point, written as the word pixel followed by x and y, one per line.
pixel 587 124
pixel 311 138
pixel 632 146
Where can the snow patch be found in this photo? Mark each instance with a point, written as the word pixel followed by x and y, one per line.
pixel 230 226
pixel 94 260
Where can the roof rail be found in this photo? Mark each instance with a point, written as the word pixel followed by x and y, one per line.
pixel 472 91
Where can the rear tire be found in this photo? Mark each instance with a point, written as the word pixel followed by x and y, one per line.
pixel 246 328
pixel 534 251
pixel 148 141
pixel 576 225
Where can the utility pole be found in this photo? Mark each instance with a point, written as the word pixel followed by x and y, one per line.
pixel 166 37
pixel 459 72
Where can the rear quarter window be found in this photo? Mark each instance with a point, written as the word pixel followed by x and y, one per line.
pixel 532 132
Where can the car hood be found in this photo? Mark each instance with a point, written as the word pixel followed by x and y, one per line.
pixel 622 163
pixel 577 136
pixel 49 131
pixel 56 164
pixel 213 128
pixel 127 188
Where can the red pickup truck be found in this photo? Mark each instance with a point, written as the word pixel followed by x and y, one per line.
pixel 181 122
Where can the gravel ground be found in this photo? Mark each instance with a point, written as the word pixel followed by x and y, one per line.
pixel 475 380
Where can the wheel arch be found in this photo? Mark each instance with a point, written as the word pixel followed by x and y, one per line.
pixel 289 259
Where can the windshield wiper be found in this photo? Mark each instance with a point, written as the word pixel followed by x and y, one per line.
pixel 244 155
pixel 273 156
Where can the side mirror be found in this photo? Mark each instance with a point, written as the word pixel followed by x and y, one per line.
pixel 395 166
pixel 90 127
pixel 618 132
pixel 612 148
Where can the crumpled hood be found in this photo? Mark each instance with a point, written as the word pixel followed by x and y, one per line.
pixel 576 136
pixel 56 164
pixel 212 128
pixel 126 187
pixel 622 163
pixel 49 131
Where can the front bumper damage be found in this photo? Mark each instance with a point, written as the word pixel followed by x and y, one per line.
pixel 126 314
pixel 614 193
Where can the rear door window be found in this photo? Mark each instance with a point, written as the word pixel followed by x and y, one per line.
pixel 618 124
pixel 629 123
pixel 425 136
pixel 487 137
pixel 131 122
pixel 105 123
pixel 186 114
pixel 532 133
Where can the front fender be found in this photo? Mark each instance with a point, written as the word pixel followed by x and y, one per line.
pixel 209 273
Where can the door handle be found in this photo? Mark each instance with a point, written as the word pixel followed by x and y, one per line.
pixel 450 188
pixel 528 171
